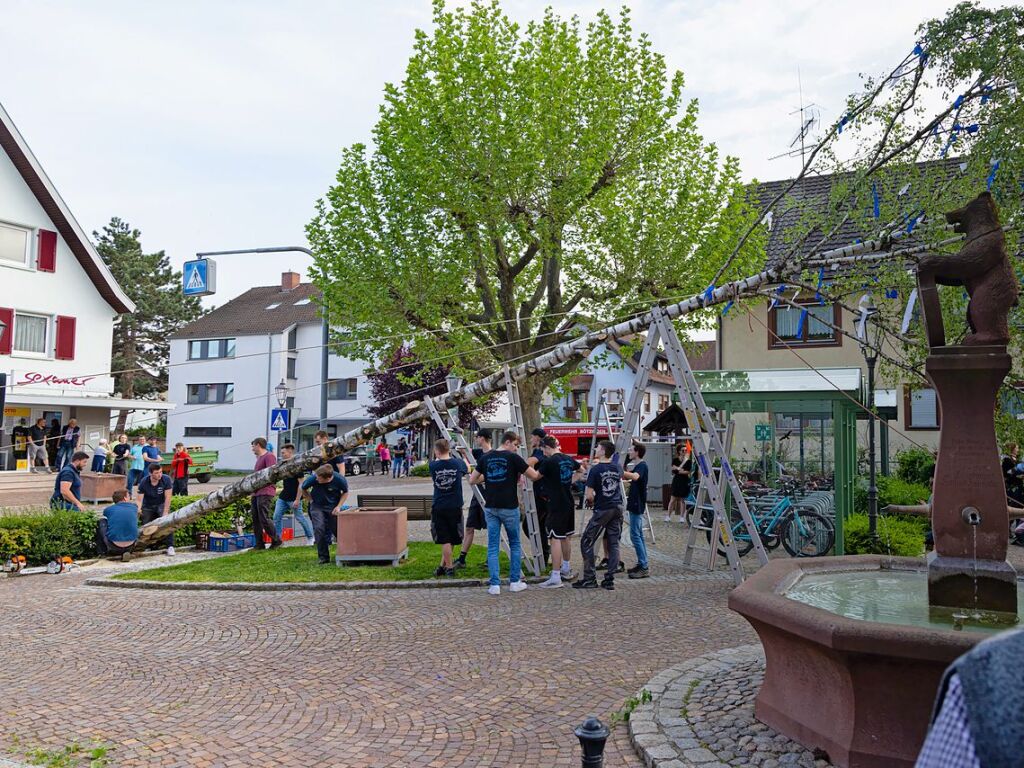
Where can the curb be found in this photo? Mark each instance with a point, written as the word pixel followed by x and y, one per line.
pixel 314 586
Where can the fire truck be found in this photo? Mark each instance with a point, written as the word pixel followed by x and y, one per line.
pixel 574 438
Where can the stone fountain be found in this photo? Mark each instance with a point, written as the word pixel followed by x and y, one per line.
pixel 855 646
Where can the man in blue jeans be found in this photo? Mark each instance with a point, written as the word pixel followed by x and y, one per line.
pixel 290 498
pixel 636 505
pixel 501 470
pixel 326 492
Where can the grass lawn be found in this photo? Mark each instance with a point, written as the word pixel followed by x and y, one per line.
pixel 299 564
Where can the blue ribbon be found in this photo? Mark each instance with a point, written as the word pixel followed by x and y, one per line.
pixel 874 198
pixel 845 119
pixel 800 324
pixel 709 294
pixel 992 175
pixel 821 279
pixel 911 224
pixel 918 50
pixel 972 128
pixel 778 292
pixel 959 102
pixel 986 94
pixel 891 293
pixel 728 306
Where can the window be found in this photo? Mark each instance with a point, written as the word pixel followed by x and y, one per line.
pixel 274 305
pixel 647 402
pixel 207 431
pixel 293 339
pixel 816 330
pixel 341 389
pixel 211 349
pixel 14 244
pixel 301 302
pixel 291 371
pixel 663 402
pixel 210 393
pixel 920 409
pixel 30 334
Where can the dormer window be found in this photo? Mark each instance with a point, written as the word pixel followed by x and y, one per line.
pixel 15 245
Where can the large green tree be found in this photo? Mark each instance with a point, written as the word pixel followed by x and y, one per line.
pixel 140 348
pixel 523 182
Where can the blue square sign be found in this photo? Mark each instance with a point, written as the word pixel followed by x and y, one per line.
pixel 279 419
pixel 199 278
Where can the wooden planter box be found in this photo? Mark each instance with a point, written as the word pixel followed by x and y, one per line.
pixel 372 535
pixel 100 486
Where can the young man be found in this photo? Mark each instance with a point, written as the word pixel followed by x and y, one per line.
pixel 67 488
pixel 118 529
pixel 337 463
pixel 446 472
pixel 138 466
pixel 539 494
pixel 68 443
pixel 37 445
pixel 291 499
pixel 604 490
pixel 636 504
pixel 151 454
pixel 557 472
pixel 326 492
pixel 180 463
pixel 122 453
pixel 501 470
pixel 154 499
pixel 398 458
pixel 475 517
pixel 261 499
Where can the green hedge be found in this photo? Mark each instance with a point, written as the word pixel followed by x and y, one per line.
pixel 891 490
pixel 420 470
pixel 898 535
pixel 915 465
pixel 41 536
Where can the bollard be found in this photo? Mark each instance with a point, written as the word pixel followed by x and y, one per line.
pixel 592 735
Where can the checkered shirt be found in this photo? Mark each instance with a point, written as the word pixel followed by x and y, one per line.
pixel 949 743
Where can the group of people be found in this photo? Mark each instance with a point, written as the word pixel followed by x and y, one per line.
pixel 395 460
pixel 499 473
pixel 51 449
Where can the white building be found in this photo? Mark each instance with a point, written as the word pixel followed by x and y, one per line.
pixel 226 366
pixel 59 307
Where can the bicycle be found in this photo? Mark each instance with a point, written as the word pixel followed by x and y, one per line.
pixel 802 532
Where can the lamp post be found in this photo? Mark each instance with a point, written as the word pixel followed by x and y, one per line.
pixel 281 390
pixel 325 328
pixel 869 348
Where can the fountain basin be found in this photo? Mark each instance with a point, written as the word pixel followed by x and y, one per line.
pixel 861 690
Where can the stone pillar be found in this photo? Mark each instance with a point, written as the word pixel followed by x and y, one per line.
pixel 968 477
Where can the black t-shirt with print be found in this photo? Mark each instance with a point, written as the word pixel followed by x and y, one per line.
pixel 502 470
pixel 556 471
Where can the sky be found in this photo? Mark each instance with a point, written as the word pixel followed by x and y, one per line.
pixel 217 124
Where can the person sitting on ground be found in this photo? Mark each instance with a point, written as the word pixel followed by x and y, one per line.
pixel 180 463
pixel 978 719
pixel 67 488
pixel 636 505
pixel 501 470
pixel 118 529
pixel 446 472
pixel 475 517
pixel 557 473
pixel 290 498
pixel 154 500
pixel 604 489
pixel 326 492
pixel 99 457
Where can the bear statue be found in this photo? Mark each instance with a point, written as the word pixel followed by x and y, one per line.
pixel 981 267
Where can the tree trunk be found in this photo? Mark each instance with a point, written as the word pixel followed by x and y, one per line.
pixel 531 395
pixel 122 421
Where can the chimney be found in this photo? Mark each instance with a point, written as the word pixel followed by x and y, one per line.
pixel 290 281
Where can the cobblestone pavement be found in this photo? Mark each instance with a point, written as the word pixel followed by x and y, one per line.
pixel 447 678
pixel 701 715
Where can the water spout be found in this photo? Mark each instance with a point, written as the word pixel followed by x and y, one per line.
pixel 971 516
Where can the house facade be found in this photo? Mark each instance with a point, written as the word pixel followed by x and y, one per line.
pixel 226 366
pixel 59 306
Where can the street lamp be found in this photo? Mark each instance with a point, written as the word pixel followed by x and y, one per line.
pixel 281 390
pixel 869 348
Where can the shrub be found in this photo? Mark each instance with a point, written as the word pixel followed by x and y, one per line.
pixel 420 470
pixel 915 465
pixel 221 520
pixel 897 535
pixel 14 541
pixel 42 537
pixel 891 490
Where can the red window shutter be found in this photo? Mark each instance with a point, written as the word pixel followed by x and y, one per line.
pixel 47 259
pixel 65 338
pixel 7 335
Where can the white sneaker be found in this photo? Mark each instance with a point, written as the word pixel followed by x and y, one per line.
pixel 312 542
pixel 170 551
pixel 551 583
pixel 667 519
pixel 517 586
pixel 494 589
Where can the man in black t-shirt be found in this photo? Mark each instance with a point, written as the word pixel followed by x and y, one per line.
pixel 539 494
pixel 122 455
pixel 501 470
pixel 37 445
pixel 446 472
pixel 290 499
pixel 475 517
pixel 557 474
pixel 154 499
pixel 636 505
pixel 604 490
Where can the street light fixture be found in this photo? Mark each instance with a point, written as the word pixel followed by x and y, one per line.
pixel 281 390
pixel 869 344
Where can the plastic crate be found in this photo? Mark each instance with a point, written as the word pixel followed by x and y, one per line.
pixel 287 534
pixel 231 543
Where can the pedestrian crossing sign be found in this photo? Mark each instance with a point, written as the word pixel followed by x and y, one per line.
pixel 199 278
pixel 279 419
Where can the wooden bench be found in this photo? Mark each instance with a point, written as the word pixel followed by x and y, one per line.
pixel 417 505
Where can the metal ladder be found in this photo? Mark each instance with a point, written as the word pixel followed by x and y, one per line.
pixel 699 504
pixel 707 444
pixel 535 562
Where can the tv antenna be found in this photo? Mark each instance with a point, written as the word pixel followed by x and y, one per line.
pixel 809 120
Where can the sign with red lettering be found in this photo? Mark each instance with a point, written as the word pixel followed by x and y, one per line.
pixel 36 379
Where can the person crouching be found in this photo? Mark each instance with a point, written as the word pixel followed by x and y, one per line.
pixel 326 492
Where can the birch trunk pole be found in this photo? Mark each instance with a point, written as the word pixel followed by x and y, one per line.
pixel 417 411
